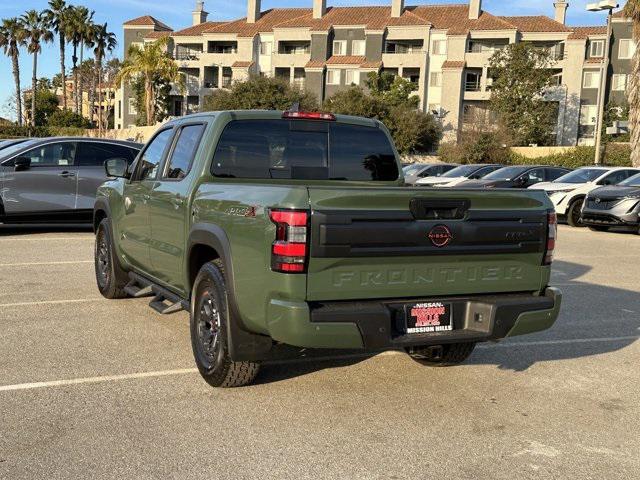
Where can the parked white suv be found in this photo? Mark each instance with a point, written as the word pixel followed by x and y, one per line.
pixel 458 175
pixel 569 191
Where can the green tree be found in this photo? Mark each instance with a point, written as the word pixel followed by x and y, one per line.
pixel 12 37
pixel 154 65
pixel 105 42
pixel 413 131
pixel 521 76
pixel 392 89
pixel 79 33
pixel 66 119
pixel 58 19
pixel 37 33
pixel 46 104
pixel 632 11
pixel 260 93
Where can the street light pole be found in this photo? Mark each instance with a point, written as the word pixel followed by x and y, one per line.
pixel 602 93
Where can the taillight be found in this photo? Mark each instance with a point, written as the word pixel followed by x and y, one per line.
pixel 552 234
pixel 289 251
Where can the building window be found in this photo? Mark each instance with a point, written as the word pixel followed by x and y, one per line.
pixel 266 48
pixel 358 47
pixel 627 49
pixel 588 114
pixel 352 77
pixel 119 109
pixel 619 82
pixel 439 47
pixel 340 47
pixel 597 48
pixel 132 106
pixel 333 77
pixel 591 80
pixel 436 79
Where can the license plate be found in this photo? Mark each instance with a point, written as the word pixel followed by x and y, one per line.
pixel 429 317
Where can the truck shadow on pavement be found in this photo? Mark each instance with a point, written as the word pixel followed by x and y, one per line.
pixel 18 230
pixel 594 320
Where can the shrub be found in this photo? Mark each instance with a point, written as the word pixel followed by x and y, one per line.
pixel 476 147
pixel 616 155
pixel 67 118
pixel 14 131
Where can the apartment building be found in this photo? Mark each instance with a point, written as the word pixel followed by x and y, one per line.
pixel 444 49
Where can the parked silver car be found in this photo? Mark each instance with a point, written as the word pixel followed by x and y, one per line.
pixel 54 180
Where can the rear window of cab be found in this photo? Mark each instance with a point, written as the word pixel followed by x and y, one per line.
pixel 304 150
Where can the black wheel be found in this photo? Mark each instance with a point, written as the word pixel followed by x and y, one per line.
pixel 209 322
pixel 442 355
pixel 574 213
pixel 598 228
pixel 111 278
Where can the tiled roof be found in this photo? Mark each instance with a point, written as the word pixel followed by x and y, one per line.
pixel 315 64
pixel 149 21
pixel 585 32
pixel 372 18
pixel 594 60
pixel 241 64
pixel 455 19
pixel 537 23
pixel 154 35
pixel 265 23
pixel 371 65
pixel 346 60
pixel 196 29
pixel 453 64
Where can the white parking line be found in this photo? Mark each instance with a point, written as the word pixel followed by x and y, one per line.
pixel 45 239
pixel 185 371
pixel 108 378
pixel 51 302
pixel 39 264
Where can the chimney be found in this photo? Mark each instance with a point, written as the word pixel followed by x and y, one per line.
pixel 199 15
pixel 397 7
pixel 319 8
pixel 561 11
pixel 475 9
pixel 253 11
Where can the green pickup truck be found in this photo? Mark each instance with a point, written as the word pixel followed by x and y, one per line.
pixel 296 228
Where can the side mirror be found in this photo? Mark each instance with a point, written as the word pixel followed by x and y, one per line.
pixel 117 168
pixel 21 164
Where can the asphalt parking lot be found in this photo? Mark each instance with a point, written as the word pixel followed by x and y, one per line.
pixel 91 388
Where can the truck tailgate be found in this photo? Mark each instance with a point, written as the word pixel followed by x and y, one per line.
pixel 408 242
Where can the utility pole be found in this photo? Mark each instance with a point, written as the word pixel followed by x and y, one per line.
pixel 608 5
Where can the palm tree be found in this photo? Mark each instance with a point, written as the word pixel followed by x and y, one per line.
pixel 105 42
pixel 86 40
pixel 632 11
pixel 36 30
pixel 151 62
pixel 12 37
pixel 58 20
pixel 79 26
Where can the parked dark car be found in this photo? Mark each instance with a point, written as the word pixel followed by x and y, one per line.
pixel 416 171
pixel 614 206
pixel 54 180
pixel 522 176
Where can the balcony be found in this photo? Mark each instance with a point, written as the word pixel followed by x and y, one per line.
pixel 222 48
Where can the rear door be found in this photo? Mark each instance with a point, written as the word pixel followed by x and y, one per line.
pixel 91 158
pixel 48 185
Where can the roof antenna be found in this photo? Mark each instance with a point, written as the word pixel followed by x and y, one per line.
pixel 295 107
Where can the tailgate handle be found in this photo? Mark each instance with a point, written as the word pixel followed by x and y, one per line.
pixel 429 209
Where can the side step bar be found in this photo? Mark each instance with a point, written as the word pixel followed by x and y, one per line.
pixel 163 301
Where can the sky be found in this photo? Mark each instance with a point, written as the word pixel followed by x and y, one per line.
pixel 177 14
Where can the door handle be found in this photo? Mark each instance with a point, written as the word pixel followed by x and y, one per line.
pixel 177 201
pixel 146 198
pixel 67 174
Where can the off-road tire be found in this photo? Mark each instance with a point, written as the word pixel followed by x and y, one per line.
pixel 452 354
pixel 598 228
pixel 575 208
pixel 110 276
pixel 209 322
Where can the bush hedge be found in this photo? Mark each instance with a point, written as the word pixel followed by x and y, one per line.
pixel 615 155
pixel 14 131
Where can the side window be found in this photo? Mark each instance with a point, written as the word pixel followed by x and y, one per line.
pixel 536 176
pixel 616 177
pixel 184 151
pixel 484 171
pixel 52 155
pixel 430 171
pixel 152 156
pixel 95 154
pixel 553 173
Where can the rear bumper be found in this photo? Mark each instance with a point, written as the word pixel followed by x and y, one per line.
pixel 373 325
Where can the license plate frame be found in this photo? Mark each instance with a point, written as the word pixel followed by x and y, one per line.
pixel 428 317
